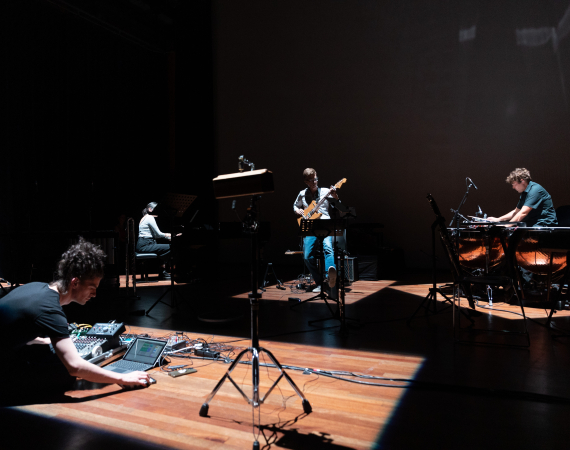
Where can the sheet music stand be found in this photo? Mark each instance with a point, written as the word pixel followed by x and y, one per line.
pixel 324 228
pixel 308 228
pixel 174 205
pixel 252 183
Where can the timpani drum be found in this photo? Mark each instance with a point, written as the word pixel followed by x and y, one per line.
pixel 478 249
pixel 532 254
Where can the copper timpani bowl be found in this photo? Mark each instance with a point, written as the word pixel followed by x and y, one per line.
pixel 536 259
pixel 472 249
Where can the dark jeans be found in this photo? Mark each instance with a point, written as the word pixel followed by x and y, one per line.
pixel 145 245
pixel 34 370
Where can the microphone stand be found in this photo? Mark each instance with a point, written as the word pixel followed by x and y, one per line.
pixel 454 211
pixel 456 215
pixel 456 219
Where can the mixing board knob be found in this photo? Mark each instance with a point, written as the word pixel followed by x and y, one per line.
pixel 97 350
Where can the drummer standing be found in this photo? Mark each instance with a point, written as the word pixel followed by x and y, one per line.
pixel 535 206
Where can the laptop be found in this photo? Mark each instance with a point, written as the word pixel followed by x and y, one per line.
pixel 143 354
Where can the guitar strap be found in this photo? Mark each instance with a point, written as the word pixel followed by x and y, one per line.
pixel 318 196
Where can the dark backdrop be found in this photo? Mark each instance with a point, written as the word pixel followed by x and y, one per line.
pixel 403 98
pixel 106 108
pixel 400 97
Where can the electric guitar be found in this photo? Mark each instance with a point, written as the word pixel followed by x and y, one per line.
pixel 312 210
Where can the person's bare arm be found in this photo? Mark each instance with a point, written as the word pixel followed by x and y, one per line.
pixel 78 367
pixel 506 218
pixel 39 340
pixel 521 215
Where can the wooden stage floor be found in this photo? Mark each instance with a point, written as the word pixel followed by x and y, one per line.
pixel 456 391
pixel 536 307
pixel 348 414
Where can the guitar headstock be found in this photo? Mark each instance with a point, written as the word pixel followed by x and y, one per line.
pixel 340 183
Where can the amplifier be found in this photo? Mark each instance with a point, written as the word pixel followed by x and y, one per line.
pixel 350 272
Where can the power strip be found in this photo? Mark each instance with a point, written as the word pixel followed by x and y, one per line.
pixel 206 353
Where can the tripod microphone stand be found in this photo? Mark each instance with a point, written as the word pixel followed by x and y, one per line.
pixel 431 298
pixel 239 184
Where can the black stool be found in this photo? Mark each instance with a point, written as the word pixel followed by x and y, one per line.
pixel 143 257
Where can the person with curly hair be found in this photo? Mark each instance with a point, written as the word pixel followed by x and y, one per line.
pixel 33 314
pixel 535 206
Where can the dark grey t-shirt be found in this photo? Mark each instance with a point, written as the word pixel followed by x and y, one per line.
pixel 542 213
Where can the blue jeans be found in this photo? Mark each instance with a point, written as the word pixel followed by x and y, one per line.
pixel 309 243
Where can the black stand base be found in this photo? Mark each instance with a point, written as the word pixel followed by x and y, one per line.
pixel 255 401
pixel 431 300
pixel 265 282
pixel 320 296
pixel 336 315
pixel 173 300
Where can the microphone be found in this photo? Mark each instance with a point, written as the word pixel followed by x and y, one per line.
pixel 242 161
pixel 479 212
pixel 471 181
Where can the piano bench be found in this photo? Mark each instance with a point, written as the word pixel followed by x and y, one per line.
pixel 142 257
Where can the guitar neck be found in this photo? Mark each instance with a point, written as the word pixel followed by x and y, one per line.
pixel 318 205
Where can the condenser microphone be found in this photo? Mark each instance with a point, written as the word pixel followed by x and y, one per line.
pixel 471 181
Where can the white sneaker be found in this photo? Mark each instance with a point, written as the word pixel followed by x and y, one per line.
pixel 317 290
pixel 332 276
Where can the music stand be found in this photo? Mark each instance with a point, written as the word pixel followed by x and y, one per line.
pixel 254 183
pixel 307 228
pixel 175 205
pixel 431 298
pixel 453 259
pixel 324 228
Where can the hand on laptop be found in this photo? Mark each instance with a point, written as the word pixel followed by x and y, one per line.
pixel 135 379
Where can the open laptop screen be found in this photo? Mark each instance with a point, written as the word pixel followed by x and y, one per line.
pixel 145 351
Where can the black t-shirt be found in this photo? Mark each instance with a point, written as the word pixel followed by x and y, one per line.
pixel 28 312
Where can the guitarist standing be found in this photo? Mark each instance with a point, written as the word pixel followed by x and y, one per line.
pixel 301 208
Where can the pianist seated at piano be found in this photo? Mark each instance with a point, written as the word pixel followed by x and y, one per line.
pixel 148 235
pixel 535 207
